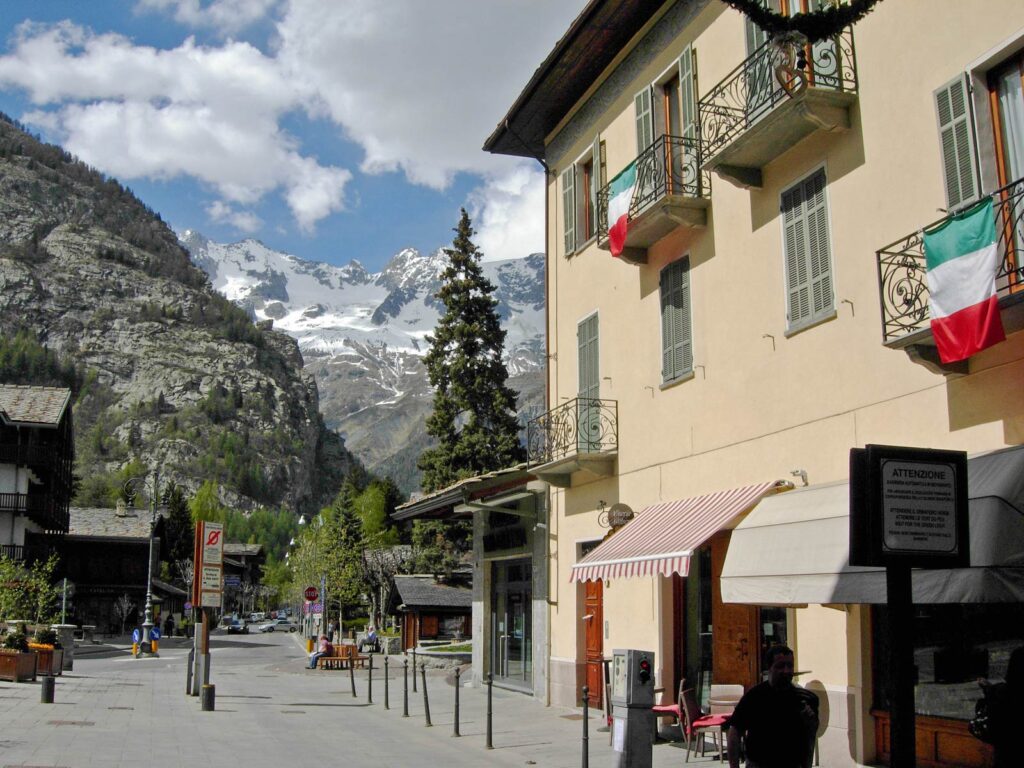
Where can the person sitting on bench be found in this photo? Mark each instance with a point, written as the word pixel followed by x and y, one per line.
pixel 370 641
pixel 326 649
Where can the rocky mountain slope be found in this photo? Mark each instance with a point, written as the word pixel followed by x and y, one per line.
pixel 363 335
pixel 177 376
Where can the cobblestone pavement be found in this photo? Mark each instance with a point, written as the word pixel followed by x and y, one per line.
pixel 114 710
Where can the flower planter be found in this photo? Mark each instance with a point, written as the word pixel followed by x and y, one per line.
pixel 49 662
pixel 17 667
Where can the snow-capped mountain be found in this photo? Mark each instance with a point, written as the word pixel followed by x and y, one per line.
pixel 363 334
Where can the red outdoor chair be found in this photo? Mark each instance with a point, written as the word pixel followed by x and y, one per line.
pixel 675 710
pixel 696 723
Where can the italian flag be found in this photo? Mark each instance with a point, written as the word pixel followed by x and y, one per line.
pixel 962 260
pixel 619 197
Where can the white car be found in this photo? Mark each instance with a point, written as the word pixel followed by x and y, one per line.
pixel 279 625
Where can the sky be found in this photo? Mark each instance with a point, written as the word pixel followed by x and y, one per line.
pixel 330 129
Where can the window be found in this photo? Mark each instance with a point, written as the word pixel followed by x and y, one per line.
pixel 808 253
pixel 581 182
pixel 956 137
pixel 676 332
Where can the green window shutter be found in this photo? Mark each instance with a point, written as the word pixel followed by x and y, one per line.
pixel 569 208
pixel 756 37
pixel 676 323
pixel 588 363
pixel 808 256
pixel 688 92
pixel 595 184
pixel 644 120
pixel 956 136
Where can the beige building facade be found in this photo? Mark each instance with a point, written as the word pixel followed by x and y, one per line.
pixel 767 315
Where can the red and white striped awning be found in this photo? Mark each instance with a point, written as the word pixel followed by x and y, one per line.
pixel 661 538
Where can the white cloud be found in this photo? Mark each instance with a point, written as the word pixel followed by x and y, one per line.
pixel 416 85
pixel 244 221
pixel 508 213
pixel 226 16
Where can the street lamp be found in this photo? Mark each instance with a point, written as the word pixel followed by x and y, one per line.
pixel 147 623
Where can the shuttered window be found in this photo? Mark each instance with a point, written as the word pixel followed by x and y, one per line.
pixel 644 120
pixel 808 257
pixel 589 363
pixel 676 328
pixel 956 137
pixel 569 208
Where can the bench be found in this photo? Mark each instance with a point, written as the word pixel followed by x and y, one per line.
pixel 344 656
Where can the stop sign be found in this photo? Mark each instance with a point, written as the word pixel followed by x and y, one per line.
pixel 311 593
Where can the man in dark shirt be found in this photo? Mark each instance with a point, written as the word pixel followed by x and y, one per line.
pixel 775 719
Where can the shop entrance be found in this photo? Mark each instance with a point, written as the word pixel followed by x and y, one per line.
pixel 511 623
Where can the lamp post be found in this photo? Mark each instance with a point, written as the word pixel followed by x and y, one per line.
pixel 147 623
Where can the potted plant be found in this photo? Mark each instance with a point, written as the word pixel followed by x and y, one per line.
pixel 17 662
pixel 48 651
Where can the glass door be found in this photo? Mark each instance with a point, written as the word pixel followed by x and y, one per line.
pixel 511 625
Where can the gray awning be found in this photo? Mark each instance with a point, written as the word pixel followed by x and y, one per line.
pixel 793 549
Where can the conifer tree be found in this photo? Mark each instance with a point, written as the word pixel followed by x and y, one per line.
pixel 473 420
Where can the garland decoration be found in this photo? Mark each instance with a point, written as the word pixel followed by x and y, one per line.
pixel 815 26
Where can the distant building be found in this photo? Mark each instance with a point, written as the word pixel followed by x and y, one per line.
pixel 428 610
pixel 105 555
pixel 36 461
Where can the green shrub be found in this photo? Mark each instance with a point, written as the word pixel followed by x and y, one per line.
pixel 16 641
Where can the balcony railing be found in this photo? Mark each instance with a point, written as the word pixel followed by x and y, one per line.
pixel 41 508
pixel 27 553
pixel 668 171
pixel 737 132
pixel 903 276
pixel 580 427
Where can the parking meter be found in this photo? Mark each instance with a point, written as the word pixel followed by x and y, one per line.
pixel 632 699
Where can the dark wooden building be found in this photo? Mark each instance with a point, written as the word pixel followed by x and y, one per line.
pixel 428 610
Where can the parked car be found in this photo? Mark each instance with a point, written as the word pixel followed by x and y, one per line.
pixel 279 625
pixel 257 616
pixel 236 627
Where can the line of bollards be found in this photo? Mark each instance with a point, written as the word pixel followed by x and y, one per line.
pixel 490 686
pixel 455 731
pixel 586 718
pixel 426 700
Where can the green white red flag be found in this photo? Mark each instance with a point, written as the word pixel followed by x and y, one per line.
pixel 620 195
pixel 962 258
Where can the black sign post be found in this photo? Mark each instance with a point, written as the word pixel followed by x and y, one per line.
pixel 908 509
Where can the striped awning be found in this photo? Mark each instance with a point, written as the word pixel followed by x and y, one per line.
pixel 660 540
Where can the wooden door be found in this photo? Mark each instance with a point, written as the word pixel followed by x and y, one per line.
pixel 593 628
pixel 734 627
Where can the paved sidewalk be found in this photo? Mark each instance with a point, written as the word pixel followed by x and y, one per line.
pixel 113 710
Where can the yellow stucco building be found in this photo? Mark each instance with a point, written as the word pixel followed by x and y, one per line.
pixel 768 313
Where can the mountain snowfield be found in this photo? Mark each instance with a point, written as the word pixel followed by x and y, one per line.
pixel 363 334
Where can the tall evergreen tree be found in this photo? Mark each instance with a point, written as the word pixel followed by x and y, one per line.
pixel 474 419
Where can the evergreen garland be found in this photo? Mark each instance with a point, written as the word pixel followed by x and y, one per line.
pixel 815 26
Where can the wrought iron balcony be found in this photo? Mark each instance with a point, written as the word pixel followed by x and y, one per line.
pixel 580 435
pixel 26 553
pixel 782 93
pixel 671 190
pixel 40 508
pixel 903 277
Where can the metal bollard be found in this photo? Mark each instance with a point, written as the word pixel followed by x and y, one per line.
pixel 490 686
pixel 458 672
pixel 405 687
pixel 586 718
pixel 426 701
pixel 414 670
pixel 352 675
pixel 387 703
pixel 46 689
pixel 207 697
pixel 369 681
